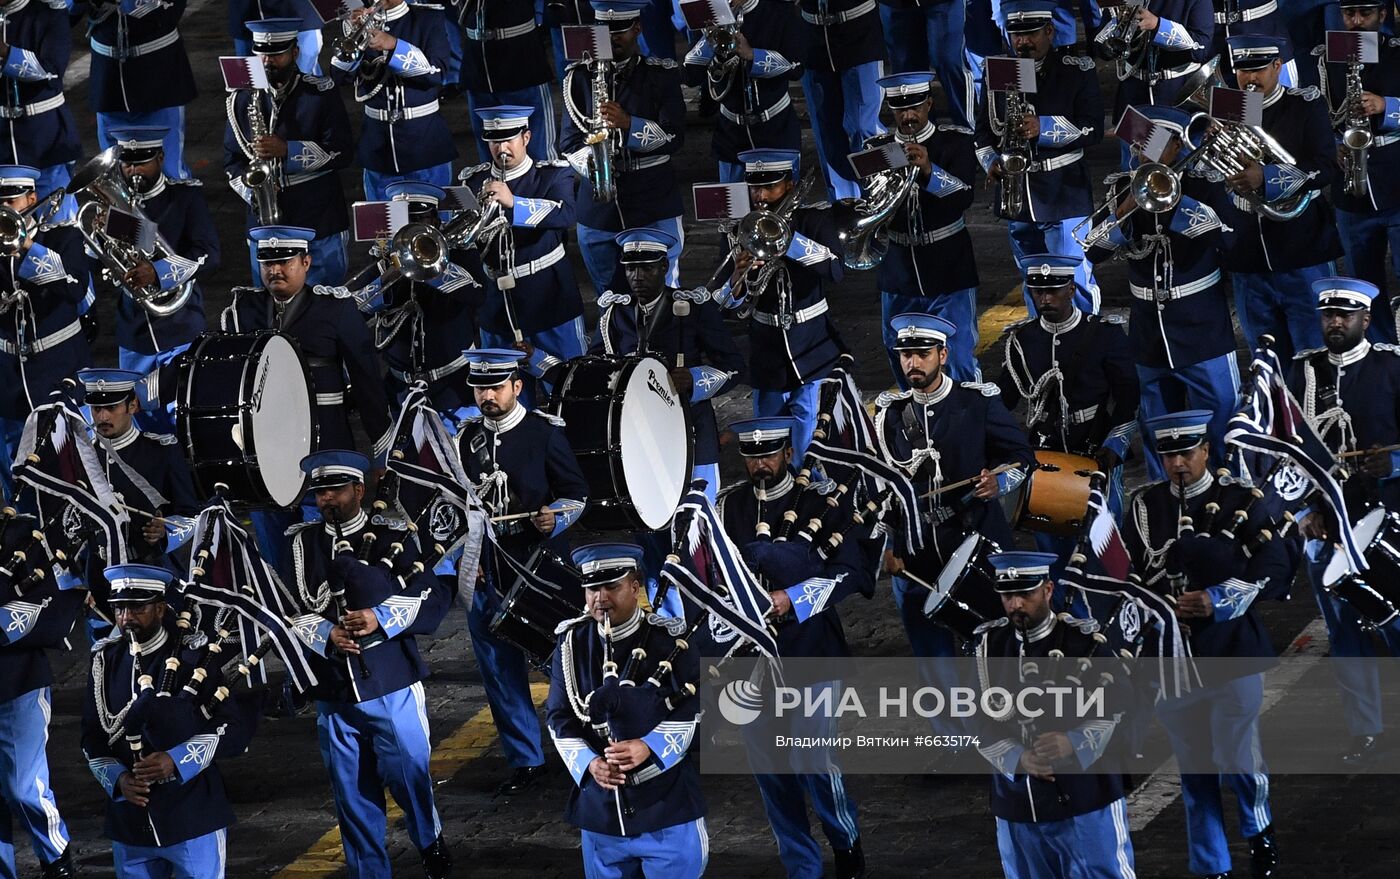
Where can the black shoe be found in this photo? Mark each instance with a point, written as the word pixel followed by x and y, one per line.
pixel 522 778
pixel 437 860
pixel 63 868
pixel 850 863
pixel 1363 749
pixel 1263 854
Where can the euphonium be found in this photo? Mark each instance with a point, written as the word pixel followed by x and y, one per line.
pixel 1356 136
pixel 263 176
pixel 863 223
pixel 1227 148
pixel 1015 157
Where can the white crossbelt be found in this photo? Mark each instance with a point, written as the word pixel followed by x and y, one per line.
pixel 145 48
pixel 800 316
pixel 427 109
pixel 501 33
pixel 1248 14
pixel 1147 294
pixel 839 17
pixel 757 118
pixel 33 109
pixel 43 343
pixel 939 234
pixel 524 270
pixel 1054 162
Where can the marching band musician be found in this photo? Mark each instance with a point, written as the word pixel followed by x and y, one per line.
pixel 1050 825
pixel 141 74
pixel 181 214
pixel 1369 220
pixel 537 198
pixel 36 126
pixel 1217 579
pixel 1175 38
pixel 1348 393
pixel 419 325
pixel 941 431
pixel 167 812
pixel 520 462
pixel 1065 118
pixel 1274 262
pixel 844 59
pixel 1179 327
pixel 308 141
pixel 751 86
pixel 398 78
pixel 504 61
pixel 930 266
pixel 41 334
pixel 1240 17
pixel 793 342
pixel 647 111
pixel 805 591
pixel 636 797
pixel 695 345
pixel 36 617
pixel 1074 371
pixel 360 618
pixel 307 32
pixel 928 35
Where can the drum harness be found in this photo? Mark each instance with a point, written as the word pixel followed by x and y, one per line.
pixel 1036 391
pixel 1329 393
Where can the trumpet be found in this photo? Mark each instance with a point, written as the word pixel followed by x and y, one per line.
pixel 1015 158
pixel 17 226
pixel 603 142
pixel 1124 41
pixel 350 46
pixel 472 228
pixel 1356 135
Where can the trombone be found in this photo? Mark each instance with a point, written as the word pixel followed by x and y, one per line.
pixel 1153 187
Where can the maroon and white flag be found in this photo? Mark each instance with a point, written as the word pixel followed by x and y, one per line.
pixel 243 73
pixel 584 42
pixel 721 201
pixel 1237 105
pixel 374 220
pixel 1011 74
pixel 885 157
pixel 1353 47
pixel 700 14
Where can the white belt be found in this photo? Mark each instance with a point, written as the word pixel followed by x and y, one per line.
pixel 336 399
pixel 431 375
pixel 1247 14
pixel 1381 140
pixel 33 109
pixel 757 118
pixel 43 343
pixel 378 115
pixel 838 17
pixel 646 162
pixel 947 231
pixel 1173 73
pixel 1147 294
pixel 501 33
pixel 798 317
pixel 145 48
pixel 1057 161
pixel 538 265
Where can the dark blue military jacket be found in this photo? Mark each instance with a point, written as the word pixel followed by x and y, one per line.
pixel 504 50
pixel 192 804
pixel 403 130
pixel 1383 157
pixel 1181 303
pixel 962 430
pixel 841 34
pixel 339 351
pixel 1365 384
pixel 36 126
pixel 930 248
pixel 546 293
pixel 405 606
pixel 157 460
pixel 814 586
pixel 182 215
pixel 33 616
pixel 1235 581
pixel 1094 403
pixel 1183 41
pixel 41 339
pixel 665 790
pixel 649 89
pixel 138 56
pixel 310 116
pixel 1298 120
pixel 1070 107
pixel 714 361
pixel 755 104
pixel 1017 796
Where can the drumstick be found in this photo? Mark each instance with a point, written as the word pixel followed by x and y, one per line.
pixel 152 516
pixel 971 479
pixel 511 517
pixel 1357 453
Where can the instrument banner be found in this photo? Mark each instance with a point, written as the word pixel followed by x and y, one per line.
pixel 700 14
pixel 374 220
pixel 333 10
pixel 586 42
pixel 1011 75
pixel 1237 105
pixel 1353 47
pixel 721 201
pixel 243 73
pixel 1136 130
pixel 886 157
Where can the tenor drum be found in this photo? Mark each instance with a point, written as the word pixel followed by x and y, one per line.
pixel 244 416
pixel 631 433
pixel 531 611
pixel 1056 494
pixel 1375 592
pixel 964 596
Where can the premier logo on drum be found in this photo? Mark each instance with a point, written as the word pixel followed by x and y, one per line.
pixel 660 390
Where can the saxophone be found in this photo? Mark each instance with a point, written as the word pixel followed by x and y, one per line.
pixel 1356 136
pixel 262 175
pixel 1015 157
pixel 602 142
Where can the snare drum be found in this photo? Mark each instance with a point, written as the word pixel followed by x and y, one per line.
pixel 631 434
pixel 244 416
pixel 964 596
pixel 530 612
pixel 1056 494
pixel 1375 592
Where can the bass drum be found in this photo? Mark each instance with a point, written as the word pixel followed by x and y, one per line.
pixel 244 417
pixel 1375 592
pixel 631 433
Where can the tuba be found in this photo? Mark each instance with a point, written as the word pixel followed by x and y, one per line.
pixel 863 223
pixel 263 175
pixel 100 186
pixel 1356 135
pixel 602 141
pixel 1015 157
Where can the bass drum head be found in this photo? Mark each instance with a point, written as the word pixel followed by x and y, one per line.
pixel 281 419
pixel 656 445
pixel 1365 531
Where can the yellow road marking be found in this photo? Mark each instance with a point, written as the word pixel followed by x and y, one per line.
pixel 468 742
pixel 994 320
